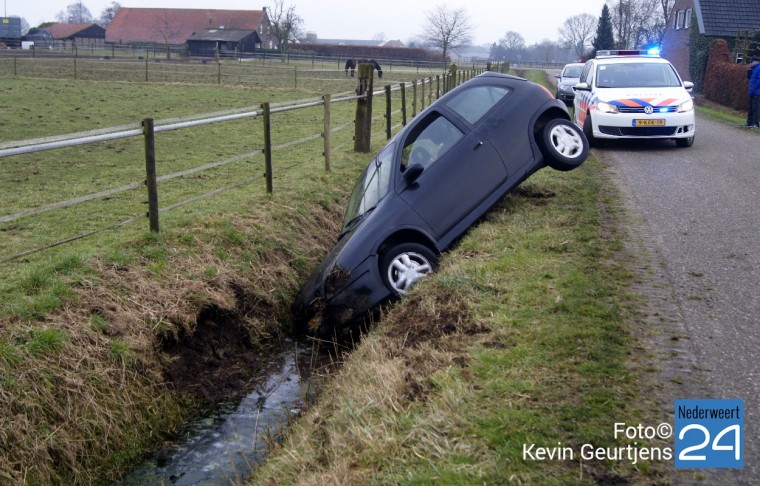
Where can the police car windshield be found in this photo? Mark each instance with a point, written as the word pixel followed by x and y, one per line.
pixel 636 75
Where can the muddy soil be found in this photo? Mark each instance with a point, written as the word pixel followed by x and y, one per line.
pixel 216 362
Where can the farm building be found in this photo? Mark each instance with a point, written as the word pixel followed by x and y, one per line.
pixel 10 31
pixel 174 26
pixel 80 36
pixel 224 42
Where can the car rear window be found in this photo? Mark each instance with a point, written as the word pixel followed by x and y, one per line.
pixel 472 104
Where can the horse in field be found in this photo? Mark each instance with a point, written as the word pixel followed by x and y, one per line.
pixel 352 63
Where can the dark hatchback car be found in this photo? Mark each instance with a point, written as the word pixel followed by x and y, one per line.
pixel 440 174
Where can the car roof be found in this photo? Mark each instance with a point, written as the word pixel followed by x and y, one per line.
pixel 629 59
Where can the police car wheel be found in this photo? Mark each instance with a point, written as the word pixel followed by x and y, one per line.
pixel 588 131
pixel 685 142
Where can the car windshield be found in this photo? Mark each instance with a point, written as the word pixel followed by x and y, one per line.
pixel 371 187
pixel 636 75
pixel 572 72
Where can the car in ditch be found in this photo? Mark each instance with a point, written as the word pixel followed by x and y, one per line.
pixel 429 184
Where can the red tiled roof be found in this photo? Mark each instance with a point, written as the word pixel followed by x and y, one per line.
pixel 62 31
pixel 174 26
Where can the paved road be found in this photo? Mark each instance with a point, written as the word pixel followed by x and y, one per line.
pixel 699 210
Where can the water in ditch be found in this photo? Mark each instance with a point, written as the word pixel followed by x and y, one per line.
pixel 224 447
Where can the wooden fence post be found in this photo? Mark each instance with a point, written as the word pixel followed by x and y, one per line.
pixel 268 145
pixel 363 123
pixel 150 173
pixel 414 98
pixel 146 69
pixel 326 133
pixel 15 71
pixel 422 94
pixel 388 111
pixel 218 71
pixel 403 104
pixel 430 91
pixel 75 68
pixel 437 86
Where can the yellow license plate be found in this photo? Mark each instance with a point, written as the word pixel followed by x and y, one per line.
pixel 649 123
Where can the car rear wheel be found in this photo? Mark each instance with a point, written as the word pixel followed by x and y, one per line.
pixel 685 142
pixel 404 265
pixel 565 146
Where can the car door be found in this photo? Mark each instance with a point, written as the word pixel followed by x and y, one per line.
pixel 460 169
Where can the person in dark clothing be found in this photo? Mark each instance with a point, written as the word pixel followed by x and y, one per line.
pixel 753 114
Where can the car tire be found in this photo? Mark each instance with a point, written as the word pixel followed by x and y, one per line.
pixel 588 131
pixel 403 265
pixel 685 142
pixel 565 146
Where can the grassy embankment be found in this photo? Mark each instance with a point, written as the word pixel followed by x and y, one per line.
pixel 84 327
pixel 522 338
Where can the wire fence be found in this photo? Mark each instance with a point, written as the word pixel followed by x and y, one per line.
pixel 315 72
pixel 181 53
pixel 394 105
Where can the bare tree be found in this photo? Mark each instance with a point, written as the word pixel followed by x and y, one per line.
pixel 447 29
pixel 635 22
pixel 667 6
pixel 509 47
pixel 75 13
pixel 546 48
pixel 108 13
pixel 512 41
pixel 286 24
pixel 168 28
pixel 577 32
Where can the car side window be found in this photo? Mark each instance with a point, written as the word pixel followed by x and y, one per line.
pixel 432 138
pixel 585 74
pixel 472 104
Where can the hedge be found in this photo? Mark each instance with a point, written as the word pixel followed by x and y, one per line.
pixel 725 81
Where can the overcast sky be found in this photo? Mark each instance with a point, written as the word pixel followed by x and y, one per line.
pixel 535 20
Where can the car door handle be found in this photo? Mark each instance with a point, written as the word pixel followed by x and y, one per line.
pixel 477 146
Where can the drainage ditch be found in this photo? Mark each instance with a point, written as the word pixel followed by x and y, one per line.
pixel 218 363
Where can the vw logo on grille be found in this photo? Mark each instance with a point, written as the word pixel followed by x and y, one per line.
pixel 648 110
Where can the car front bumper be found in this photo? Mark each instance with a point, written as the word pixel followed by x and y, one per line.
pixel 626 125
pixel 340 297
pixel 565 93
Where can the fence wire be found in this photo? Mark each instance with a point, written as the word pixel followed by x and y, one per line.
pixel 131 130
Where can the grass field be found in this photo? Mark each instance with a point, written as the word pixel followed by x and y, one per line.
pixel 521 337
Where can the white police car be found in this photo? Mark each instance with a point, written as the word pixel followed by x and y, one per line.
pixel 633 95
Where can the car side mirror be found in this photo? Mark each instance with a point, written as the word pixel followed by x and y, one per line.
pixel 688 85
pixel 582 87
pixel 412 173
